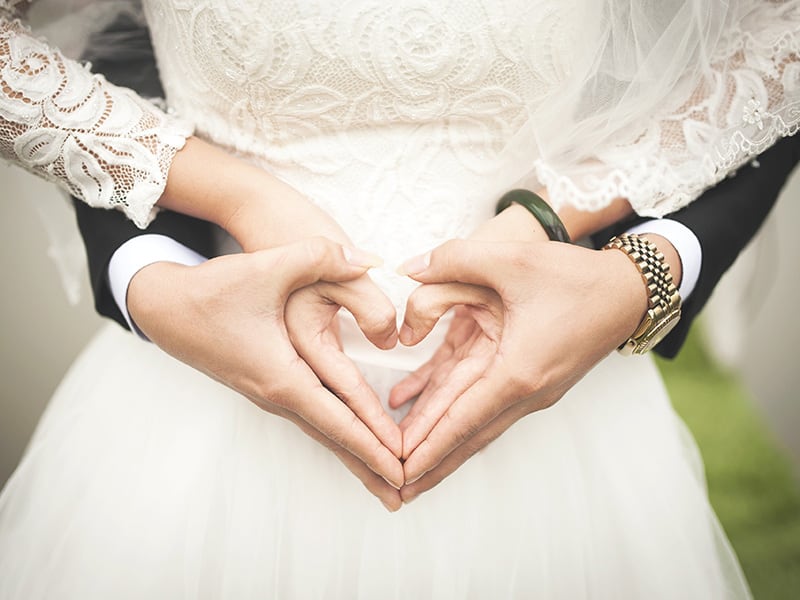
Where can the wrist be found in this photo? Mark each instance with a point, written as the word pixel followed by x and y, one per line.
pixel 663 299
pixel 136 254
pixel 671 256
pixel 514 224
pixel 630 298
pixel 256 208
pixel 582 223
pixel 150 291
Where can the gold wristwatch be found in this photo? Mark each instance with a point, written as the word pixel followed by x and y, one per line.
pixel 663 302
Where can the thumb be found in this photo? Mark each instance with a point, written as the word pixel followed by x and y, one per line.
pixel 315 259
pixel 428 303
pixel 463 261
pixel 373 311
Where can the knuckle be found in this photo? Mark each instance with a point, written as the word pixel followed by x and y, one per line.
pixel 318 248
pixel 336 435
pixel 525 382
pixel 423 453
pixel 380 317
pixel 273 391
pixel 422 302
pixel 463 429
pixel 518 384
pixel 342 435
pixel 353 388
pixel 520 261
pixel 452 247
pixel 472 448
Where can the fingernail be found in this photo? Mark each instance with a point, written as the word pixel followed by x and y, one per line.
pixel 406 335
pixel 392 483
pixel 415 265
pixel 414 480
pixel 360 258
pixel 391 341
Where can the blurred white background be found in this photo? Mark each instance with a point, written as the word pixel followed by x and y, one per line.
pixel 758 331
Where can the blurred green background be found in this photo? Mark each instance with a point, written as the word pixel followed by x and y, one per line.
pixel 752 484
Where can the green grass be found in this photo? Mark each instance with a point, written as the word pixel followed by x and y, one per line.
pixel 750 481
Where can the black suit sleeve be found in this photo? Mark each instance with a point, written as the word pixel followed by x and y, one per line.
pixel 724 219
pixel 104 231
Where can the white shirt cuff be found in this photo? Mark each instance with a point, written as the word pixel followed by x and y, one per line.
pixel 137 253
pixel 686 244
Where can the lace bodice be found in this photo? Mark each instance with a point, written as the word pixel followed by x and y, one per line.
pixel 424 111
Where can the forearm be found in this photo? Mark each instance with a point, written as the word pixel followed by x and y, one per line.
pixel 617 288
pixel 258 209
pixel 99 142
pixel 112 149
pixel 518 224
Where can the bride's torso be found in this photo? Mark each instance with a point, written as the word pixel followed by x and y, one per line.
pixel 402 120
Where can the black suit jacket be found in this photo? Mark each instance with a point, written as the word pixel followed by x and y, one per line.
pixel 724 218
pixel 104 231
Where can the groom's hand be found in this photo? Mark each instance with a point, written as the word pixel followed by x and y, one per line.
pixel 226 318
pixel 535 317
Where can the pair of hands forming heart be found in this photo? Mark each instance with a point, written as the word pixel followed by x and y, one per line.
pixel 533 318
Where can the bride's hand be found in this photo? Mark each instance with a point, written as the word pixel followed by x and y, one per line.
pixel 542 314
pixel 312 324
pixel 261 211
pixel 256 208
pixel 242 341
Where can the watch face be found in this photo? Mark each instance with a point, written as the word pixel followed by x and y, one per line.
pixel 659 332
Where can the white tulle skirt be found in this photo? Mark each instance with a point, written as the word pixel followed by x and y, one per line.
pixel 147 480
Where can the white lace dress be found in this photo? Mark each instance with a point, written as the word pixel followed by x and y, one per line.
pixel 404 121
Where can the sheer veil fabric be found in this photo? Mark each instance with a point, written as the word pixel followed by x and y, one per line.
pixel 668 100
pixel 406 121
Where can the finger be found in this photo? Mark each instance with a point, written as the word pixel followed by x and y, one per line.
pixel 428 303
pixel 461 340
pixel 467 415
pixel 373 311
pixel 332 418
pixel 461 329
pixel 429 411
pixel 389 496
pixel 340 375
pixel 436 380
pixel 302 263
pixel 453 461
pixel 465 261
pixel 323 416
pixel 413 384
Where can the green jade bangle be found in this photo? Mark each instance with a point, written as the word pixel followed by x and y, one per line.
pixel 539 209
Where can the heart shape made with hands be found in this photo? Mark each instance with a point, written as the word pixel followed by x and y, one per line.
pixel 488 373
pixel 459 358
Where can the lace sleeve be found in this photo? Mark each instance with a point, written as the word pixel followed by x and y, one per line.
pixel 705 127
pixel 101 143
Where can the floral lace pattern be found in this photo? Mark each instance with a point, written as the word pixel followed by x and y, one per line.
pixel 394 117
pixel 752 99
pixel 288 82
pixel 101 143
pixel 370 106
